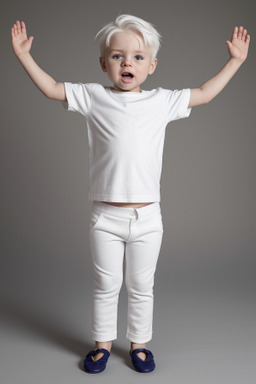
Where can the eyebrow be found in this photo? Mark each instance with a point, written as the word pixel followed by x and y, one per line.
pixel 120 50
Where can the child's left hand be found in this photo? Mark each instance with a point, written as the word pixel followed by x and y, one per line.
pixel 239 45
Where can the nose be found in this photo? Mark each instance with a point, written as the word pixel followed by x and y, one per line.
pixel 126 62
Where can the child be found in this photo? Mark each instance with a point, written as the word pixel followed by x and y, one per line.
pixel 126 129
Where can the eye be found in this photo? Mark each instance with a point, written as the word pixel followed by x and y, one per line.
pixel 138 57
pixel 117 57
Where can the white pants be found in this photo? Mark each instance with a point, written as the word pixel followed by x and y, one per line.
pixel 133 235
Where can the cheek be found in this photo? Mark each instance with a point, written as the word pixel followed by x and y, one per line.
pixel 112 68
pixel 144 72
pixel 111 72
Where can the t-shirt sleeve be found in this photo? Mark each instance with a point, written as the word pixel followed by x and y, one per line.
pixel 176 104
pixel 79 97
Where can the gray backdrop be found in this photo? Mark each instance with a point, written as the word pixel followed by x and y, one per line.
pixel 204 324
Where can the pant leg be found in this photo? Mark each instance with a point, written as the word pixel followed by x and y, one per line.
pixel 141 257
pixel 107 249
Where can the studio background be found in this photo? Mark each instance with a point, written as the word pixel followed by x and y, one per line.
pixel 205 315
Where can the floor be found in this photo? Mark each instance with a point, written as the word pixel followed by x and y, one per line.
pixel 204 333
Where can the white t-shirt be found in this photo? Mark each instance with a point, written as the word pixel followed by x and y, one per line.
pixel 126 132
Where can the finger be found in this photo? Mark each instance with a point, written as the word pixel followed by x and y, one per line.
pixel 229 44
pixel 14 29
pixel 248 37
pixel 244 34
pixel 18 26
pixel 23 27
pixel 235 32
pixel 240 32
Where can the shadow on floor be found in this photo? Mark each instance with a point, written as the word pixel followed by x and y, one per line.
pixel 27 318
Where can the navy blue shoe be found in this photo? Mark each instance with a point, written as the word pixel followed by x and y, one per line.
pixel 98 366
pixel 143 366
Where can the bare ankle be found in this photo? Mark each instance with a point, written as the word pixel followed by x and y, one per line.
pixel 141 355
pixel 137 346
pixel 103 344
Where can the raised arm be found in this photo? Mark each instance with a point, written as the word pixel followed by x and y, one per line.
pixel 21 47
pixel 238 50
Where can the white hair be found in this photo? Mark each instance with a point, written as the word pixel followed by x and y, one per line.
pixel 122 23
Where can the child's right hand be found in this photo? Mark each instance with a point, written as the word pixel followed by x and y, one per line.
pixel 21 47
pixel 20 42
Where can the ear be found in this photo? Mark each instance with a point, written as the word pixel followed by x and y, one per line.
pixel 103 64
pixel 152 67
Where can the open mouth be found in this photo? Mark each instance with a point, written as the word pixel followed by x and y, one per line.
pixel 127 75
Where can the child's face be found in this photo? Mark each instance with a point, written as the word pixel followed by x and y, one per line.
pixel 127 61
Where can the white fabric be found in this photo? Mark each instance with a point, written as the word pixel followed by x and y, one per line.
pixel 134 236
pixel 126 133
